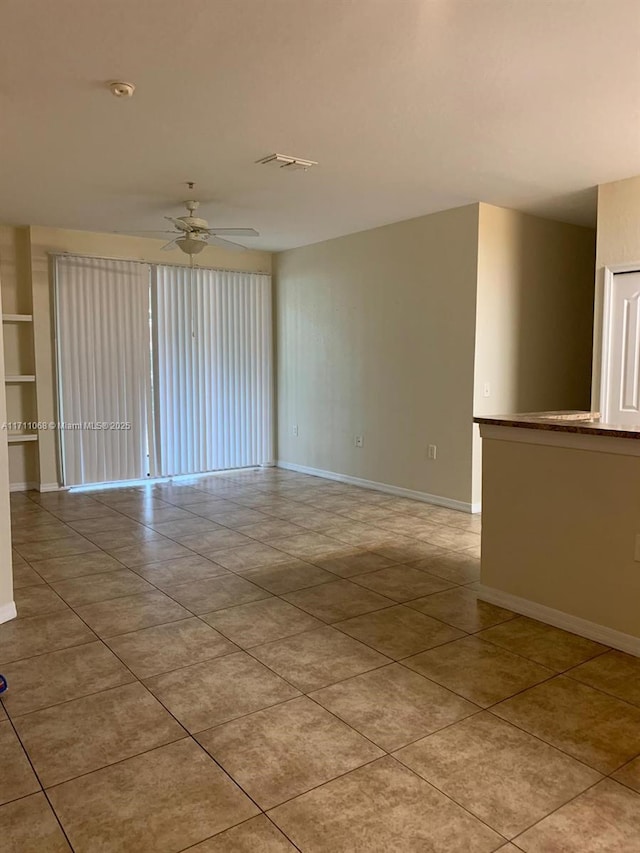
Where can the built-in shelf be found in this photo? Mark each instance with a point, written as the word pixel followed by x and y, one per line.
pixel 17 318
pixel 17 437
pixel 22 378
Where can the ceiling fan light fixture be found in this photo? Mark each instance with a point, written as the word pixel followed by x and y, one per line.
pixel 191 245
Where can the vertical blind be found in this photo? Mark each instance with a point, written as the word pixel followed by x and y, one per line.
pixel 212 378
pixel 182 357
pixel 102 309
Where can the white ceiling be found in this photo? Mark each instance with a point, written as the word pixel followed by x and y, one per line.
pixel 411 106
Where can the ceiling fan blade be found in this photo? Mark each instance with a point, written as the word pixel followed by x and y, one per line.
pixel 154 231
pixel 225 244
pixel 182 226
pixel 235 232
pixel 169 246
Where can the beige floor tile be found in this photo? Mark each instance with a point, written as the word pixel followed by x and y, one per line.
pixel 479 671
pixel 406 550
pixel 318 658
pixel 379 808
pixel 153 515
pixel 461 607
pixel 102 587
pixel 265 531
pixel 29 826
pixel 17 779
pixel 261 622
pixel 455 566
pixel 241 517
pixel 466 521
pixel 34 635
pixel 614 672
pixel 216 593
pixel 402 583
pixel 164 648
pixel 149 552
pixel 453 538
pixel 281 752
pixel 337 600
pixel 82 735
pixel 24 576
pixel 108 520
pixel 356 533
pixel 77 565
pixel 630 774
pixel 507 778
pixel 16 559
pixel 309 545
pixel 177 530
pixel 405 525
pixel 549 646
pixel 605 819
pixel 60 676
pixel 399 631
pixel 65 547
pixel 166 573
pixel 75 511
pixel 40 532
pixel 37 600
pixel 161 802
pixel 216 539
pixel 112 539
pixel 248 557
pixel 257 835
pixel 393 706
pixel 122 615
pixel 356 563
pixel 288 577
pixel 595 728
pixel 210 693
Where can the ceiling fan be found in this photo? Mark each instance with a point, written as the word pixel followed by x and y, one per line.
pixel 191 234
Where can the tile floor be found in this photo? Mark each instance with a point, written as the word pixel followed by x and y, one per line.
pixel 266 661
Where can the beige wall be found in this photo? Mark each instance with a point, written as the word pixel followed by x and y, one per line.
pixel 534 316
pixel 7 607
pixel 618 242
pixel 30 283
pixel 376 337
pixel 559 527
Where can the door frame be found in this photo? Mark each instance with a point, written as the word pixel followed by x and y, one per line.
pixel 607 316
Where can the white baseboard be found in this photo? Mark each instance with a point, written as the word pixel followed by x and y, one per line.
pixel 559 619
pixel 400 492
pixel 50 487
pixel 8 611
pixel 22 487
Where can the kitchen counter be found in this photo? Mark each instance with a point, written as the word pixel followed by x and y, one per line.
pixel 580 423
pixel 561 522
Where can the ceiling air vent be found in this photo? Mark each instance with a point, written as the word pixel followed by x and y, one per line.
pixel 282 161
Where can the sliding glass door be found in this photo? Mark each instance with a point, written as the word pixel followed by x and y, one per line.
pixel 212 343
pixel 162 370
pixel 102 310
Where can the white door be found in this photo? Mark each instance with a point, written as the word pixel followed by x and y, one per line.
pixel 621 349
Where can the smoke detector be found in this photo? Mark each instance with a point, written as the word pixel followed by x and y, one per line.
pixel 283 161
pixel 120 89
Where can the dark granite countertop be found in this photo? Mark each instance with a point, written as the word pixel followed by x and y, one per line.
pixel 583 423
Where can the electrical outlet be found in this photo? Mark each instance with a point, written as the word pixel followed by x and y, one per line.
pixel 636 553
pixel 432 451
pixel 294 429
pixel 487 389
pixel 359 441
